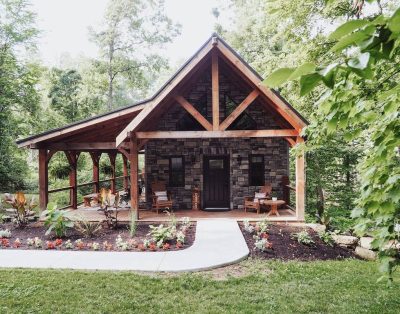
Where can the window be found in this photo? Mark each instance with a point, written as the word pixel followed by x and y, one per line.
pixel 176 171
pixel 256 170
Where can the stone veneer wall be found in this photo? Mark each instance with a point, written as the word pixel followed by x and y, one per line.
pixel 275 153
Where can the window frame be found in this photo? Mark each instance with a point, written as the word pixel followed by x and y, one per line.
pixel 170 170
pixel 252 170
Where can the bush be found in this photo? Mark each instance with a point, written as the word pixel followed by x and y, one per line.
pixel 303 237
pixel 22 209
pixel 326 237
pixel 87 228
pixel 5 233
pixel 56 220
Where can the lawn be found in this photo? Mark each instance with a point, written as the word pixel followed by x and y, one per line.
pixel 253 286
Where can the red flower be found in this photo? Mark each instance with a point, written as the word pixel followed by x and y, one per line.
pixel 58 242
pixel 50 245
pixel 264 235
pixel 166 246
pixel 17 244
pixel 5 242
pixel 152 247
pixel 179 245
pixel 141 247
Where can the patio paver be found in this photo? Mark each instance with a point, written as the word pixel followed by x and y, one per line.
pixel 218 243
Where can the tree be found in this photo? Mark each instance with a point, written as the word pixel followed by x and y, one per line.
pixel 64 94
pixel 131 30
pixel 19 100
pixel 362 99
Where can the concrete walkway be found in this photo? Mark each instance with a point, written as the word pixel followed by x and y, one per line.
pixel 218 242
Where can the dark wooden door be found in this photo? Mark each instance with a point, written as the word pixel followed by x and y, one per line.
pixel 216 183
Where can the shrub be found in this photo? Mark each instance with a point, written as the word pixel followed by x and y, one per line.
pixel 262 244
pixel 248 227
pixel 56 220
pixel 5 233
pixel 22 209
pixel 326 237
pixel 261 226
pixel 161 233
pixel 303 237
pixel 87 228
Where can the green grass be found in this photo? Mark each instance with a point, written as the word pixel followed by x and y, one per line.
pixel 265 287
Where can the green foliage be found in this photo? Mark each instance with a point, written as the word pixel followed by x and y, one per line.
pixel 87 228
pixel 131 29
pixel 362 100
pixel 161 234
pixel 326 237
pixel 303 237
pixel 56 220
pixel 18 80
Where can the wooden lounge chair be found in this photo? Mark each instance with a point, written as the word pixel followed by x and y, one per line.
pixel 251 202
pixel 161 198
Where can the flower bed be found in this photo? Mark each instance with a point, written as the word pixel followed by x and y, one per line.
pixel 268 241
pixel 33 237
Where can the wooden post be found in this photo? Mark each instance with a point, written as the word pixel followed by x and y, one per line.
pixel 300 183
pixel 43 179
pixel 125 171
pixel 72 157
pixel 112 157
pixel 215 89
pixel 133 160
pixel 96 171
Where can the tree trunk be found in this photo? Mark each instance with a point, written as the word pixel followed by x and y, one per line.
pixel 110 75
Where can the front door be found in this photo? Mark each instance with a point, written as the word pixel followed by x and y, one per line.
pixel 216 183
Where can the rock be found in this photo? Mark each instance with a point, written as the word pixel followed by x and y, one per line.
pixel 365 242
pixel 365 253
pixel 344 240
pixel 317 227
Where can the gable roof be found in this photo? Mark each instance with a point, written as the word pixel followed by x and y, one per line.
pixel 216 42
pixel 144 107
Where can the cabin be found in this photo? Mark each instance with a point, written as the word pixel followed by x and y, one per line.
pixel 214 127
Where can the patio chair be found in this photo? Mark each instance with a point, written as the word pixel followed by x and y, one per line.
pixel 161 198
pixel 255 202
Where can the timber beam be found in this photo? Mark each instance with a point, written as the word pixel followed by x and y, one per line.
pixel 66 146
pixel 193 111
pixel 216 134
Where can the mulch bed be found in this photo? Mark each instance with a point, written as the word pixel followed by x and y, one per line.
pixel 286 248
pixel 105 234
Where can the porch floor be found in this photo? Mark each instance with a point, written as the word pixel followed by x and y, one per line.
pixel 92 214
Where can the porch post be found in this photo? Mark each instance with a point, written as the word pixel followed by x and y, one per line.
pixel 43 179
pixel 133 159
pixel 96 172
pixel 112 157
pixel 73 179
pixel 125 171
pixel 300 183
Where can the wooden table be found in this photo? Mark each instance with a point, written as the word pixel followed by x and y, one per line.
pixel 274 206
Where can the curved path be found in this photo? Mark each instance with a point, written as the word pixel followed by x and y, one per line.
pixel 218 242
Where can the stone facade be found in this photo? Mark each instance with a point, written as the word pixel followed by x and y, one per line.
pixel 275 150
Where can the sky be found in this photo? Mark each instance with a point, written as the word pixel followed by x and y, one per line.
pixel 64 25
